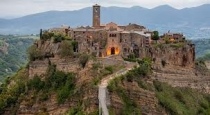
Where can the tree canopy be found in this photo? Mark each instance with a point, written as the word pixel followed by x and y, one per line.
pixel 155 35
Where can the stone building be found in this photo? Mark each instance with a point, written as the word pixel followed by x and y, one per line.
pixel 108 39
pixel 173 37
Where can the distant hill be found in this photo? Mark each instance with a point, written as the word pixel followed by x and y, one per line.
pixel 164 15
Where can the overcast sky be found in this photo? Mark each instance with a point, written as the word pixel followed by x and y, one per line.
pixel 17 8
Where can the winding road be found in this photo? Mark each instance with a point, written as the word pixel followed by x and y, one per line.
pixel 102 88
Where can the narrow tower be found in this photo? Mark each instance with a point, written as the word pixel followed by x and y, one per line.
pixel 96 15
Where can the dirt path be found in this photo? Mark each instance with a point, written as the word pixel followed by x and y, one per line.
pixel 102 91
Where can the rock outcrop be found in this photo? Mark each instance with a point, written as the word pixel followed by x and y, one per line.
pixel 181 55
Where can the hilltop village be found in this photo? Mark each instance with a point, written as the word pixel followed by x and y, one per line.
pixel 108 69
pixel 111 39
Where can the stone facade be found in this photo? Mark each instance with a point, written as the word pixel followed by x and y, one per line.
pixel 107 39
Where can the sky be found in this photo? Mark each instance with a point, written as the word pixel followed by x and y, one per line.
pixel 18 8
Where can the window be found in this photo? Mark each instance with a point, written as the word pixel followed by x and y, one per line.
pixel 112 35
pixel 125 50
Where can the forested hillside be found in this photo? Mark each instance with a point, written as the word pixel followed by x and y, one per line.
pixel 202 48
pixel 16 55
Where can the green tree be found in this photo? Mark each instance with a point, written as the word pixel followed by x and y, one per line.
pixel 155 35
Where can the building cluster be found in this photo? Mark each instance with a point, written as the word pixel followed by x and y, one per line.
pixel 110 39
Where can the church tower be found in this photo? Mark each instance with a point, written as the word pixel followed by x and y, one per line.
pixel 96 15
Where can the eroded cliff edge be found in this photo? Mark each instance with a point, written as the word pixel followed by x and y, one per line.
pixel 170 63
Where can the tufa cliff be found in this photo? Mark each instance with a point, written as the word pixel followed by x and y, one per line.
pixel 58 81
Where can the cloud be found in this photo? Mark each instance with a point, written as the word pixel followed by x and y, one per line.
pixel 16 8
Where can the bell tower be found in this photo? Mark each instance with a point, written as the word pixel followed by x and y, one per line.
pixel 96 15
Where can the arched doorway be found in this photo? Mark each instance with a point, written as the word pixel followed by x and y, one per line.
pixel 112 51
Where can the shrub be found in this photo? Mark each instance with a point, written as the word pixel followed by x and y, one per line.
pixel 36 83
pixel 96 66
pixel 46 35
pixel 158 86
pixel 34 53
pixel 43 96
pixel 77 110
pixel 179 96
pixel 110 69
pixel 75 46
pixel 83 59
pixel 130 76
pixel 132 58
pixel 66 49
pixel 144 66
pixel 63 94
pixel 63 83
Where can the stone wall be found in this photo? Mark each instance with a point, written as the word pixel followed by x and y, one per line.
pixel 65 65
pixel 113 60
pixel 38 67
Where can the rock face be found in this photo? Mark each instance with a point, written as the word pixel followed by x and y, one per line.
pixel 180 55
pixel 48 47
pixel 176 66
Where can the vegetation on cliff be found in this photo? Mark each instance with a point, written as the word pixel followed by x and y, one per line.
pixel 17 88
pixel 175 101
pixel 115 86
pixel 11 92
pixel 57 81
pixel 182 101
